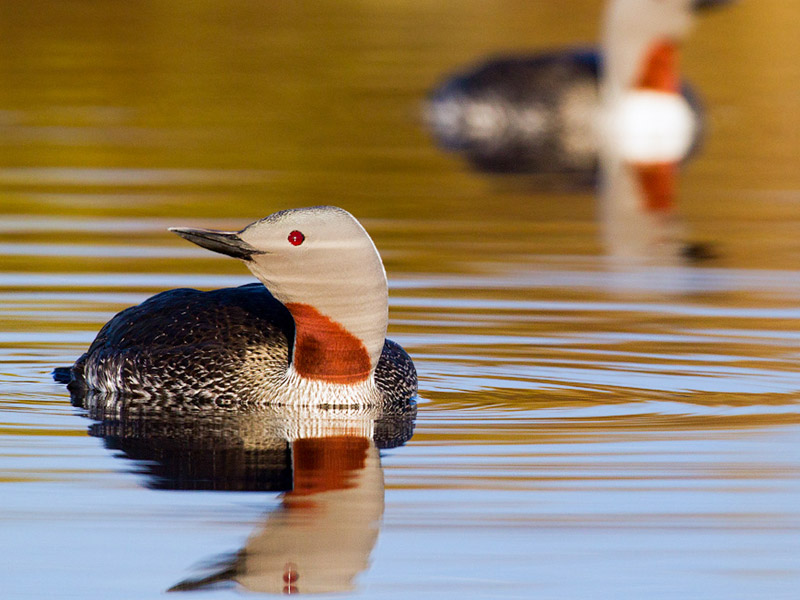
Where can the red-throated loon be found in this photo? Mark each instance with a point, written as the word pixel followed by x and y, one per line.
pixel 314 336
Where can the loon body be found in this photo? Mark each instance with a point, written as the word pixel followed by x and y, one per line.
pixel 521 113
pixel 314 336
pixel 551 112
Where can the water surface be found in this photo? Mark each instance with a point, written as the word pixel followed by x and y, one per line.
pixel 585 428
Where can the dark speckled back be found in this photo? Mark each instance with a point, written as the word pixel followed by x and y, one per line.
pixel 511 86
pixel 191 317
pixel 214 348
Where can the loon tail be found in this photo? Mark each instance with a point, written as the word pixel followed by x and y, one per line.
pixel 62 374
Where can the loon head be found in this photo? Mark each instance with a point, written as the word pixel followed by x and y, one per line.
pixel 641 39
pixel 323 266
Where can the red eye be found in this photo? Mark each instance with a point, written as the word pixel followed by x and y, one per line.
pixel 296 238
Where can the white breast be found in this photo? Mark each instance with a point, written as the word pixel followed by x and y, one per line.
pixel 649 127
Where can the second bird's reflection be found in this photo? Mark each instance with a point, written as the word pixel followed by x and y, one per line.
pixel 326 463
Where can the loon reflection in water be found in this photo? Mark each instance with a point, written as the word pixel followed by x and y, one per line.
pixel 325 460
pixel 547 113
pixel 640 224
pixel 315 335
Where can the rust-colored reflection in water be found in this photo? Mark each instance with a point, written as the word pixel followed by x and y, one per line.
pixel 585 430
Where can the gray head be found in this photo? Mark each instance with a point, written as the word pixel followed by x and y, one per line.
pixel 634 28
pixel 319 257
pixel 670 19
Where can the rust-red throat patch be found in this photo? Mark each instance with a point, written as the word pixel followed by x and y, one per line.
pixel 325 350
pixel 660 69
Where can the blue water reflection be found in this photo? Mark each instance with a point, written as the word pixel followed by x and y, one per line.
pixel 592 426
pixel 326 463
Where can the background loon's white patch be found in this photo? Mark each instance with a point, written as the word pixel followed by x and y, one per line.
pixel 650 127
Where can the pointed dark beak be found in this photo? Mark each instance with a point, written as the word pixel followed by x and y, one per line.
pixel 701 5
pixel 224 242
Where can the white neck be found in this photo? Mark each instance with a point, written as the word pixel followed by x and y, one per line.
pixel 621 61
pixel 350 290
pixel 359 302
pixel 631 30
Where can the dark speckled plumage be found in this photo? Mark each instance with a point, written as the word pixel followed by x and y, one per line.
pixel 228 449
pixel 511 87
pixel 223 347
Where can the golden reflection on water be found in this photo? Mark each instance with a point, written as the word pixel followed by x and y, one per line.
pixel 542 369
pixel 301 105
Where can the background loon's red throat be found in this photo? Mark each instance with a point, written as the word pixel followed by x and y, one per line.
pixel 660 68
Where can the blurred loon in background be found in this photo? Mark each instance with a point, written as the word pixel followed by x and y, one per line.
pixel 550 113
